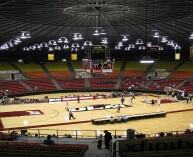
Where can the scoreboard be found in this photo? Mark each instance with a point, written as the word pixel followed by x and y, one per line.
pixel 98 52
pixel 154 52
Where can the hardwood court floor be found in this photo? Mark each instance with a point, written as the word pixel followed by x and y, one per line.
pixel 56 114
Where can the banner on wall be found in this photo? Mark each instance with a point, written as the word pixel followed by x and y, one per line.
pixel 177 56
pixel 50 57
pixel 73 57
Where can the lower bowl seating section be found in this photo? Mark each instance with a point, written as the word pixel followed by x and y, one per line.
pixel 36 75
pixel 14 87
pixel 161 84
pixel 105 83
pixel 38 150
pixel 40 85
pixel 134 83
pixel 77 83
pixel 187 87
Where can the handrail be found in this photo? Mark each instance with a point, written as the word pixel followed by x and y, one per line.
pixel 94 133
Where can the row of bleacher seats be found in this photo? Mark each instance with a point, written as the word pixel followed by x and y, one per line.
pixel 77 83
pixel 105 83
pixel 13 86
pixel 131 76
pixel 95 83
pixel 135 83
pixel 182 74
pixel 133 73
pixel 40 85
pixel 132 68
pixel 160 84
pixel 38 150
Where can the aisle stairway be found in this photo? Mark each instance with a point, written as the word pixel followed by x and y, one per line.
pixel 118 82
pixel 174 70
pixel 71 69
pixel 50 77
pixel 20 71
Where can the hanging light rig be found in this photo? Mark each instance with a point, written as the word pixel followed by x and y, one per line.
pixel 147 58
pixel 77 35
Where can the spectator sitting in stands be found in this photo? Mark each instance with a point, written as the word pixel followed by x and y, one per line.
pixel 48 141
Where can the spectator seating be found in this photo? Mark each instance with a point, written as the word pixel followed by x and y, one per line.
pixel 14 87
pixel 134 69
pixel 116 69
pixel 60 74
pixel 161 84
pixel 114 74
pixel 58 69
pixel 106 83
pixel 131 77
pixel 182 74
pixel 4 66
pixel 38 150
pixel 187 87
pixel 184 71
pixel 133 73
pixel 40 85
pixel 32 70
pixel 135 66
pixel 169 66
pixel 77 65
pixel 77 83
pixel 8 136
pixel 135 83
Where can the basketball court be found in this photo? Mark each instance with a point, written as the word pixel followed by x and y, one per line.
pixel 54 116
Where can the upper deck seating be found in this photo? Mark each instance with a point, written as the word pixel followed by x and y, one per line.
pixel 58 69
pixel 32 70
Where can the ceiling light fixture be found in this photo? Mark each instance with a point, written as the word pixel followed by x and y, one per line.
pixel 125 38
pixel 156 35
pixel 103 32
pixel 147 59
pixel 104 41
pixel 142 47
pixel 191 36
pixel 96 32
pixel 63 40
pixel 127 48
pixel 77 36
pixel 164 40
pixel 132 46
pixel 25 35
pixel 65 47
pixel 87 43
pixel 120 43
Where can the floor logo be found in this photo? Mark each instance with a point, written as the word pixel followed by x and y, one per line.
pixel 35 112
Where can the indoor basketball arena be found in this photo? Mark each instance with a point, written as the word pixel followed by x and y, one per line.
pixel 108 78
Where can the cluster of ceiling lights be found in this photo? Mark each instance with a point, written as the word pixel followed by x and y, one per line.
pixel 52 45
pixel 101 31
pixel 56 45
pixel 15 41
pixel 98 31
pixel 141 45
